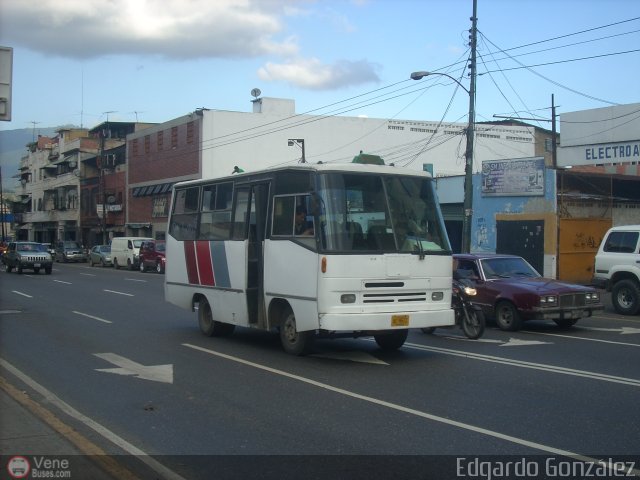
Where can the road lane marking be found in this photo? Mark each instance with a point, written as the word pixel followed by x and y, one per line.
pixel 88 274
pixel 351 356
pixel 621 330
pixel 135 280
pixel 62 281
pixel 119 293
pixel 91 316
pixel 618 318
pixel 535 366
pixel 512 342
pixel 51 398
pixel 155 373
pixel 583 338
pixel 400 408
pixel 20 293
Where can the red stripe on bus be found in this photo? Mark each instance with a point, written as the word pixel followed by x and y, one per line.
pixel 190 258
pixel 205 267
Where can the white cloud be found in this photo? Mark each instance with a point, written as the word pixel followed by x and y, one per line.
pixel 312 74
pixel 184 30
pixel 179 29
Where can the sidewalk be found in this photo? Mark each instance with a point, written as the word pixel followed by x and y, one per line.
pixel 27 431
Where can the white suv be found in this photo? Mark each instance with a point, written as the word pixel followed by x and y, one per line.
pixel 617 268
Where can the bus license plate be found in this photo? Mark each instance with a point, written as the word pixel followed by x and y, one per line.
pixel 400 320
pixel 36 265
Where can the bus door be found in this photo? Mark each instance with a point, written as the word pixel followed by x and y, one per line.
pixel 259 198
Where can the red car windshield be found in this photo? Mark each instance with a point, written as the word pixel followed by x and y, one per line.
pixel 507 268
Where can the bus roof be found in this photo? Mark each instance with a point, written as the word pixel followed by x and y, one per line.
pixel 317 167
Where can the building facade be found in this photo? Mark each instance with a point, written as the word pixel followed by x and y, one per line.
pixel 49 206
pixel 555 211
pixel 550 205
pixel 210 143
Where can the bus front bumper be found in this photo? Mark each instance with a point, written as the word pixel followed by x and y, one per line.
pixel 385 320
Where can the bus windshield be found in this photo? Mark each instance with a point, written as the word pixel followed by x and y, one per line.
pixel 379 213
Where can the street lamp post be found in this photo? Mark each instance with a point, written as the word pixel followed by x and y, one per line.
pixel 300 141
pixel 468 164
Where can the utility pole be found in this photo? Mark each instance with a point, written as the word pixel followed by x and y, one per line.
pixel 2 210
pixel 33 134
pixel 468 167
pixel 103 195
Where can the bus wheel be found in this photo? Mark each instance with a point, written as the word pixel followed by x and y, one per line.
pixel 392 340
pixel 293 341
pixel 209 326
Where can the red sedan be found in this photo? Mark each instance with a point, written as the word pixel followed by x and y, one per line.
pixel 511 291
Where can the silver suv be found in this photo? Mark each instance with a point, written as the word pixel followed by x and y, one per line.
pixel 27 255
pixel 617 268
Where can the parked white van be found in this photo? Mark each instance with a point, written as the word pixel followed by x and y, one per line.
pixel 125 251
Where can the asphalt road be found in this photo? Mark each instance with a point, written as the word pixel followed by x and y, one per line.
pixel 132 373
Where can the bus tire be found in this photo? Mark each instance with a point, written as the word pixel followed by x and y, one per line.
pixel 293 341
pixel 210 327
pixel 392 340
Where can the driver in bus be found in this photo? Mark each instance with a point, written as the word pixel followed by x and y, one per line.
pixel 302 226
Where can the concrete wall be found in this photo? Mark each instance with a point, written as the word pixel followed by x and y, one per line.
pixel 602 136
pixel 255 141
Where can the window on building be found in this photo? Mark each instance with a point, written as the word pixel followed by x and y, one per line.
pixel 174 137
pixel 190 132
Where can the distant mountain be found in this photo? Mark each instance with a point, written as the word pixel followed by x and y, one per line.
pixel 13 147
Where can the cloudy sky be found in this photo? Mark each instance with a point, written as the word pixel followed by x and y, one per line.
pixel 82 62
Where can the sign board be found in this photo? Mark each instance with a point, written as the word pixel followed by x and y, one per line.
pixel 6 73
pixel 516 177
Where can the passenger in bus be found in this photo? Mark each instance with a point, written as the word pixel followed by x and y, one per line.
pixel 302 226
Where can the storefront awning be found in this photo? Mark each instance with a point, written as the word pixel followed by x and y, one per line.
pixel 148 190
pixel 138 225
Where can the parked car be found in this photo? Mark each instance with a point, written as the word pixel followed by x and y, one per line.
pixel 27 255
pixel 617 268
pixel 100 255
pixel 152 255
pixel 511 291
pixel 51 249
pixel 70 251
pixel 125 251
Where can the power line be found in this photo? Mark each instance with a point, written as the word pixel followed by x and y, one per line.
pixel 564 61
pixel 574 33
pixel 567 45
pixel 548 79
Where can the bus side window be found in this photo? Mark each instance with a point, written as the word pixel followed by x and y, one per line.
pixel 184 219
pixel 283 216
pixel 240 214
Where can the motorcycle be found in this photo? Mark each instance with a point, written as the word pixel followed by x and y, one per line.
pixel 469 317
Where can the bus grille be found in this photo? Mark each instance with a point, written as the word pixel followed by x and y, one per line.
pixel 394 297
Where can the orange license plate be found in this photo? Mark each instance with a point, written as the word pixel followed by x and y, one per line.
pixel 400 320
